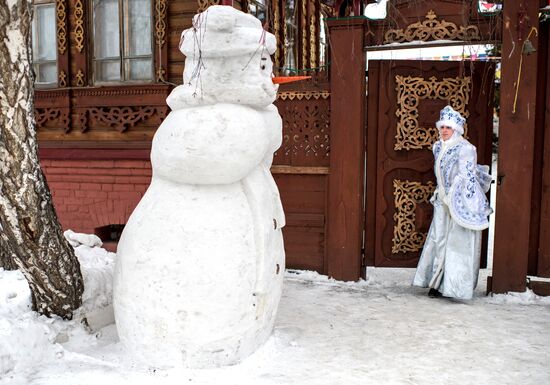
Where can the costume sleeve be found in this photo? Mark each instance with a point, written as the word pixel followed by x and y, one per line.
pixel 484 177
pixel 468 204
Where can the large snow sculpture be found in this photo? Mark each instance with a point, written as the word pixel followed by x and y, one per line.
pixel 200 262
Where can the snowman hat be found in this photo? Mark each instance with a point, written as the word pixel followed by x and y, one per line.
pixel 451 118
pixel 223 31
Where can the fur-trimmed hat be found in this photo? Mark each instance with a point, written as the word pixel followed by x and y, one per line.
pixel 451 118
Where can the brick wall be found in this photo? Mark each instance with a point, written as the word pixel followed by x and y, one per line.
pixel 88 194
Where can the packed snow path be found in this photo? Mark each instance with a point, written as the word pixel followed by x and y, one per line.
pixel 382 331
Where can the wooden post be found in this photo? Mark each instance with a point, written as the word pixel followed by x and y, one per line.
pixel 516 147
pixel 347 150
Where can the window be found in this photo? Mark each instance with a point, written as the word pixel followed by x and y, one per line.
pixel 44 47
pixel 291 25
pixel 122 40
pixel 258 8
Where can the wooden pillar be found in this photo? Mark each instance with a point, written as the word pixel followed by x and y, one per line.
pixel 516 147
pixel 347 152
pixel 541 266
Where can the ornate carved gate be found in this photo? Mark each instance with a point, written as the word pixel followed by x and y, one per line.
pixel 404 101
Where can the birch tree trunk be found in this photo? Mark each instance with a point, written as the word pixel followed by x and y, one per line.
pixel 31 236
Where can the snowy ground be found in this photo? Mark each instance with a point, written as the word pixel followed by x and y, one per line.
pixel 379 331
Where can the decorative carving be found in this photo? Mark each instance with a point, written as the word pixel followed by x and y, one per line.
pixel 80 78
pixel 410 90
pixel 203 4
pixel 291 95
pixel 82 120
pixel 123 118
pixel 432 29
pixel 121 91
pixel 306 130
pixel 79 25
pixel 276 30
pixel 313 23
pixel 328 11
pixel 160 22
pixel 406 196
pixel 160 74
pixel 62 79
pixel 304 34
pixel 52 114
pixel 61 17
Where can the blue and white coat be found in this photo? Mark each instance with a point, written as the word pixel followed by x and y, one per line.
pixel 450 258
pixel 462 183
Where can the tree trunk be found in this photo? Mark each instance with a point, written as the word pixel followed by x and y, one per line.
pixel 31 235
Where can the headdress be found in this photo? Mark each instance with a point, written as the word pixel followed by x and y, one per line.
pixel 451 118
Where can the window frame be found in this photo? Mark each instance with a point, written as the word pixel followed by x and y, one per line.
pixel 123 58
pixel 259 4
pixel 34 38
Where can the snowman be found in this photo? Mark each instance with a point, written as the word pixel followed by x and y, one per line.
pixel 200 263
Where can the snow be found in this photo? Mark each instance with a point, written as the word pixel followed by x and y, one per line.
pixel 376 11
pixel 378 331
pixel 200 263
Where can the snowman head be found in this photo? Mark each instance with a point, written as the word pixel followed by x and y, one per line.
pixel 227 61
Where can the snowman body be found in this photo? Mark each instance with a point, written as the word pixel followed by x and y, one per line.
pixel 201 260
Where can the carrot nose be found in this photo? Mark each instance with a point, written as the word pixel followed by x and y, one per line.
pixel 288 79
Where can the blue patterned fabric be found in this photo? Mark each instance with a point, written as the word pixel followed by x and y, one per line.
pixel 463 184
pixel 448 113
pixel 450 257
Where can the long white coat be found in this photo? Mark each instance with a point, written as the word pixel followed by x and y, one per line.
pixel 450 258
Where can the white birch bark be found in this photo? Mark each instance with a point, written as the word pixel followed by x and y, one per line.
pixel 31 236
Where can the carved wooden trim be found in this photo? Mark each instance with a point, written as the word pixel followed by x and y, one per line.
pixel 281 169
pixel 79 25
pixel 406 196
pixel 121 91
pixel 303 24
pixel 432 29
pixel 276 31
pixel 160 22
pixel 80 78
pixel 62 79
pixel 57 96
pixel 61 18
pixel 306 132
pixel 119 118
pixel 44 115
pixel 203 4
pixel 291 95
pixel 410 90
pixel 313 38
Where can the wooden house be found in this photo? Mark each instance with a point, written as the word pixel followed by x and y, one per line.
pixel 354 170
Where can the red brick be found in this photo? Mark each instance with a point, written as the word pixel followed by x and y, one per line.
pixel 101 178
pixel 61 193
pixel 90 186
pixel 143 171
pixel 107 187
pixel 72 208
pixel 132 164
pixel 64 186
pixel 66 178
pixel 122 180
pixel 142 187
pixel 123 187
pixel 82 163
pixel 91 194
pixel 128 196
pixel 140 180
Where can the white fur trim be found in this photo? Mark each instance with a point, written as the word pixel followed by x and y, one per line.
pixel 450 123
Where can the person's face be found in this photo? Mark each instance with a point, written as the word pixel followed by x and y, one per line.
pixel 446 132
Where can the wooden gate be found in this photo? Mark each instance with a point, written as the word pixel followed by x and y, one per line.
pixel 404 100
pixel 301 170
